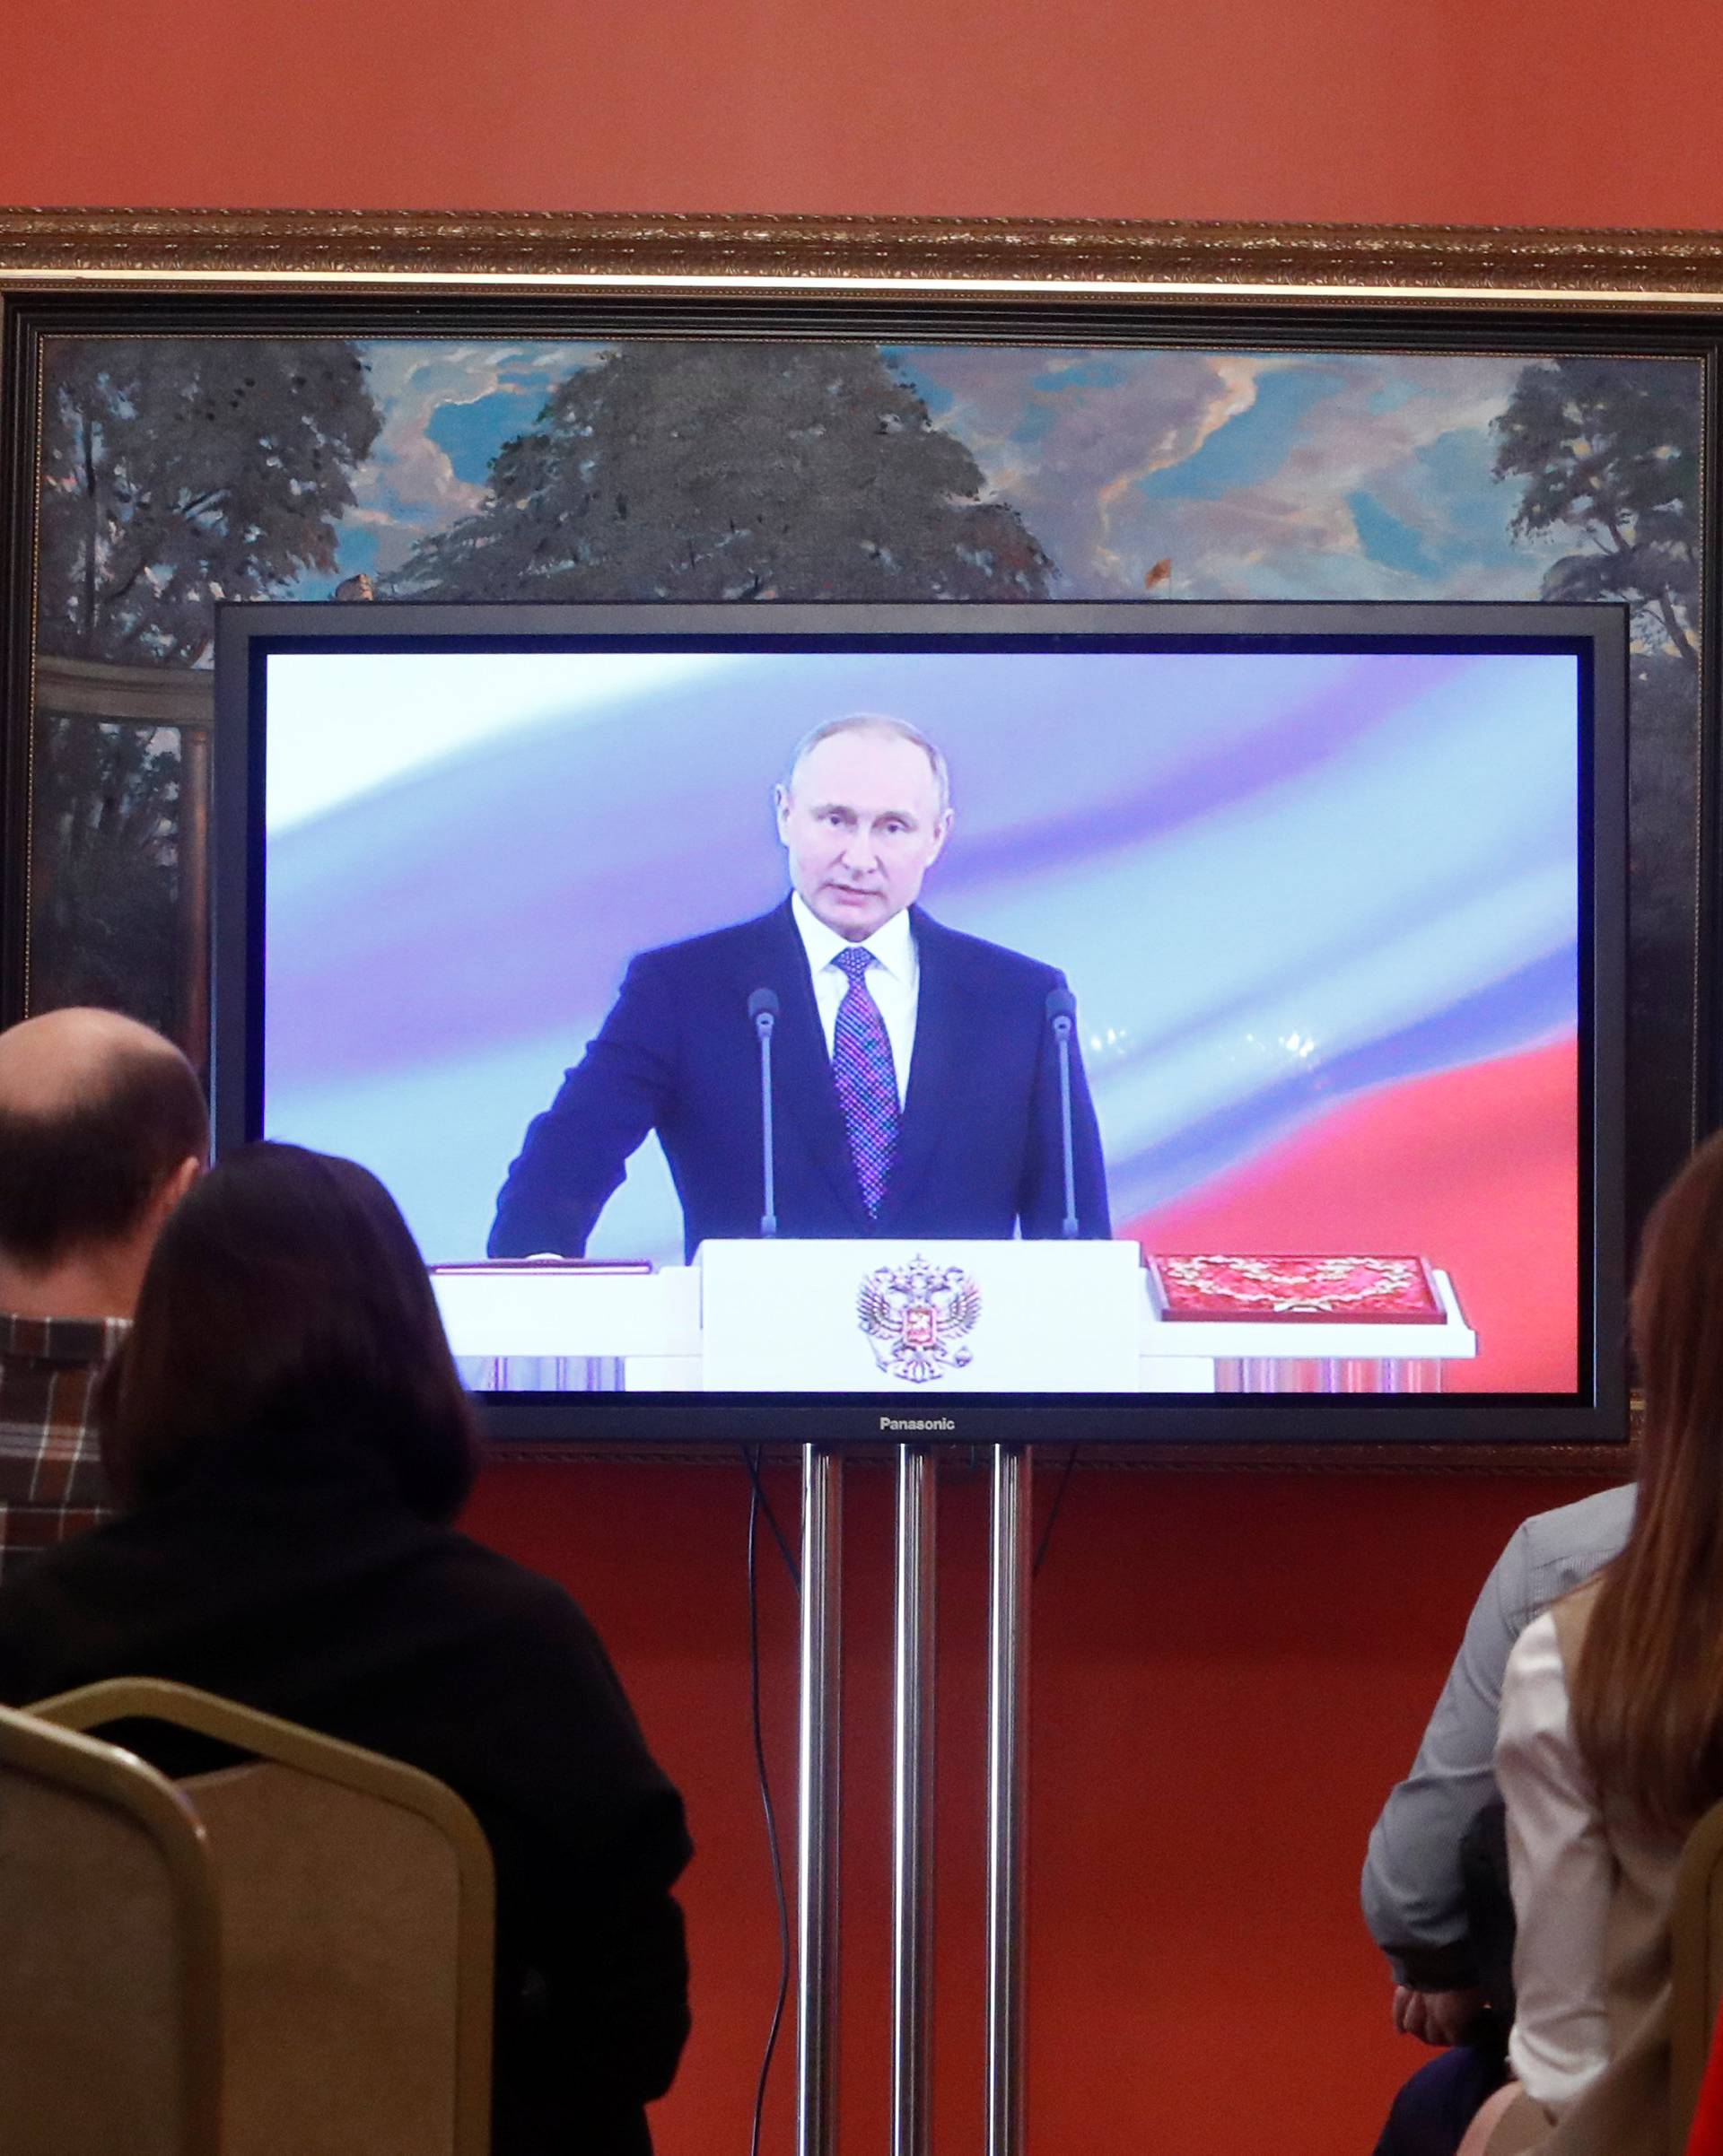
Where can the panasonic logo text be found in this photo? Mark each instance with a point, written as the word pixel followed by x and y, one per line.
pixel 936 1422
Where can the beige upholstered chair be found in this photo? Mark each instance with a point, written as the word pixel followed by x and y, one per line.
pixel 1695 1998
pixel 356 1904
pixel 1696 1965
pixel 109 1954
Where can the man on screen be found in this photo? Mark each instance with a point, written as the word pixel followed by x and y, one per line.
pixel 915 1071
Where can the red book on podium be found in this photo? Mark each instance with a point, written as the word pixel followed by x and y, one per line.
pixel 1352 1291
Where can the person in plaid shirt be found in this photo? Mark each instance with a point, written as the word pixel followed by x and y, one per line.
pixel 102 1130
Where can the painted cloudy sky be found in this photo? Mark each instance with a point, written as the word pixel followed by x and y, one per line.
pixel 1258 475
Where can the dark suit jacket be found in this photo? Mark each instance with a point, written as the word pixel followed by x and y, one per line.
pixel 978 1150
pixel 289 1574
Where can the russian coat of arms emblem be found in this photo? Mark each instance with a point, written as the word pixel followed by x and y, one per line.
pixel 917 1317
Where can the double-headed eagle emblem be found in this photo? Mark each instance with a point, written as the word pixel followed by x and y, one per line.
pixel 916 1317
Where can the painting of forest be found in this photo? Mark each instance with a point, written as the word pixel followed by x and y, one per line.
pixel 178 471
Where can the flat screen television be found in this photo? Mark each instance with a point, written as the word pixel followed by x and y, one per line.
pixel 1162 1022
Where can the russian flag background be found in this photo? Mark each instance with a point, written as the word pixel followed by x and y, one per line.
pixel 1477 1163
pixel 1319 910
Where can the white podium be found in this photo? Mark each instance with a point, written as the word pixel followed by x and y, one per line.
pixel 916 1319
pixel 920 1319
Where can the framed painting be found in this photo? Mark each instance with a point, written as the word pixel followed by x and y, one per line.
pixel 228 406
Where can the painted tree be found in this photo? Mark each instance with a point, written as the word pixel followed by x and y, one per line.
pixel 703 471
pixel 105 923
pixel 1608 449
pixel 175 473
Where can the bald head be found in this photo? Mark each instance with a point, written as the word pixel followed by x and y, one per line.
pixel 67 1059
pixel 98 1115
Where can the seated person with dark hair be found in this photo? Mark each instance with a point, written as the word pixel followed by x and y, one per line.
pixel 1610 1751
pixel 102 1130
pixel 288 1439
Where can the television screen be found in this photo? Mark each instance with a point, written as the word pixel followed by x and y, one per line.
pixel 1109 1021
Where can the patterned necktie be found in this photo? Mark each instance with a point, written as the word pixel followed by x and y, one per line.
pixel 867 1079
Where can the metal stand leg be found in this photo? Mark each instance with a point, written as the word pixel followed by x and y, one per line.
pixel 1007 1675
pixel 818 1790
pixel 912 1802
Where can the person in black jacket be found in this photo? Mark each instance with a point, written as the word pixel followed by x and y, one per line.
pixel 287 1438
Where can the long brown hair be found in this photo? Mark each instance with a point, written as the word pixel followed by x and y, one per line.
pixel 1647 1695
pixel 285 1299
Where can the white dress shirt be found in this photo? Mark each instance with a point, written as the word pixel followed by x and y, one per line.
pixel 894 980
pixel 1579 1876
pixel 1563 1878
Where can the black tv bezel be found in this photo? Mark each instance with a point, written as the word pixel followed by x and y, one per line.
pixel 247 634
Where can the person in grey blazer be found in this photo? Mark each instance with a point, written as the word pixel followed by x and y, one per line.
pixel 1413 1894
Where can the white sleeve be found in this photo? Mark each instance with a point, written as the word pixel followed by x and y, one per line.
pixel 1563 1878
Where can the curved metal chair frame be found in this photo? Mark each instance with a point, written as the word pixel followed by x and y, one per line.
pixel 349 1766
pixel 115 1778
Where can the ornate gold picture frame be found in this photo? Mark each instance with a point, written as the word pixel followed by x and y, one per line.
pixel 104 680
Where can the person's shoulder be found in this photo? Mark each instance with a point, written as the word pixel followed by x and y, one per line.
pixel 532 1625
pixel 995 962
pixel 1555 1551
pixel 1585 1533
pixel 717 949
pixel 507 1591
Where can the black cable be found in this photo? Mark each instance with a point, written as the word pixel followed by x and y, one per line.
pixel 756 1500
pixel 751 1461
pixel 1058 1499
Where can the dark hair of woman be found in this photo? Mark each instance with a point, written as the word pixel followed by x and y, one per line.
pixel 286 1298
pixel 1647 1695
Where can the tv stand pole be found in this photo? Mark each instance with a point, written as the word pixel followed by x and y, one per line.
pixel 915 1618
pixel 912 1809
pixel 1008 1730
pixel 817 1813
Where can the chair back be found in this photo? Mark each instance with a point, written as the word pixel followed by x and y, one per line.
pixel 109 1954
pixel 1696 1967
pixel 356 1904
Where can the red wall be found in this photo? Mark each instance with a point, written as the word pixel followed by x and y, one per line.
pixel 1546 111
pixel 1228 1673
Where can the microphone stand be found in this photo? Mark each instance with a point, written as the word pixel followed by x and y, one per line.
pixel 763 1008
pixel 1062 1011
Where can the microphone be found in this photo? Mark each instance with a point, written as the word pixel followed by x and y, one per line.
pixel 1061 1016
pixel 763 1008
